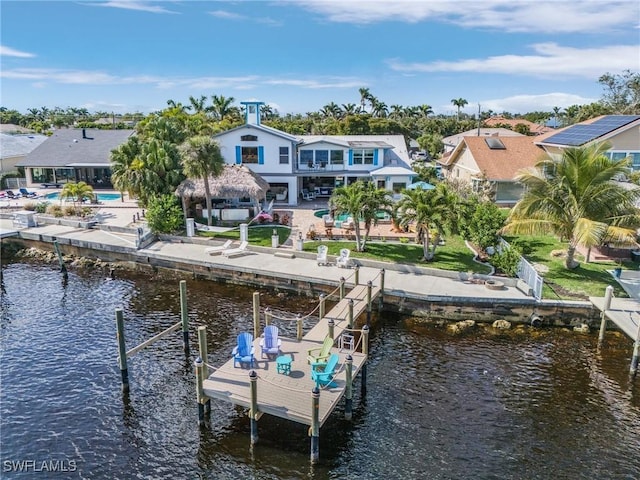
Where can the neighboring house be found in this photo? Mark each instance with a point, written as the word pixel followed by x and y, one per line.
pixel 534 128
pixel 493 161
pixel 72 155
pixel 451 142
pixel 13 128
pixel 14 148
pixel 296 165
pixel 621 131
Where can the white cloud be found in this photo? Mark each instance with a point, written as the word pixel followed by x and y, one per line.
pixel 530 103
pixel 225 14
pixel 334 82
pixel 588 16
pixel 141 6
pixel 12 52
pixel 551 61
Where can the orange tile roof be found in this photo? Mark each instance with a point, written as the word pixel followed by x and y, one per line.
pixel 512 122
pixel 501 165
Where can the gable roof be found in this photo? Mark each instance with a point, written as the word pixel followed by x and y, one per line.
pixel 263 128
pixel 598 128
pixel 67 147
pixel 19 145
pixel 453 140
pixel 499 164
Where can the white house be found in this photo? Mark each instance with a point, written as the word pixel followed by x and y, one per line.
pixel 295 166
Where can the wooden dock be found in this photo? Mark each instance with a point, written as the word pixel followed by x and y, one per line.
pixel 623 312
pixel 290 396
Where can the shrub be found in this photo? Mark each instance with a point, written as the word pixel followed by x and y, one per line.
pixel 86 212
pixel 70 211
pixel 55 210
pixel 485 223
pixel 30 206
pixel 507 260
pixel 164 214
pixel 41 207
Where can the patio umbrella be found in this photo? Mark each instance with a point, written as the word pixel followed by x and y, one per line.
pixel 421 186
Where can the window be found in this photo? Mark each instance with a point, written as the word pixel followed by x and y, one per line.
pixel 306 157
pixel 363 157
pixel 337 157
pixel 284 155
pixel 322 157
pixel 249 138
pixel 382 184
pixel 398 187
pixel 635 160
pixel 249 154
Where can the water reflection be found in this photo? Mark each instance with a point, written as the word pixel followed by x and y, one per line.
pixel 437 406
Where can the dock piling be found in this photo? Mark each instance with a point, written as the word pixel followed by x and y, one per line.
pixel 331 324
pixel 356 275
pixel 253 413
pixel 199 367
pixel 350 314
pixel 315 425
pixel 267 316
pixel 348 392
pixel 369 288
pixel 56 247
pixel 299 327
pixel 342 287
pixel 608 295
pixel 380 300
pixel 256 314
pixel 322 306
pixel 122 350
pixel 184 314
pixel 636 355
pixel 365 351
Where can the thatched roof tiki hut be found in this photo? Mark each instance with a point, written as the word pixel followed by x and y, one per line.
pixel 235 182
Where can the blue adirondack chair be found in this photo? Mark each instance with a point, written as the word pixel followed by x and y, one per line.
pixel 270 343
pixel 243 352
pixel 323 376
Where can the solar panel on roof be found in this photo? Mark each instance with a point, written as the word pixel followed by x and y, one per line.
pixel 581 134
pixel 495 143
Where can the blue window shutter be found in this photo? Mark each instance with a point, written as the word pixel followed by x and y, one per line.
pixel 238 154
pixel 260 155
pixel 375 156
pixel 350 157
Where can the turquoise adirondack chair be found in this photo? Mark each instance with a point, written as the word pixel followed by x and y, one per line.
pixel 244 350
pixel 323 376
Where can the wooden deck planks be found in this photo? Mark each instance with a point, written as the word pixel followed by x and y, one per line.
pixel 289 396
pixel 624 312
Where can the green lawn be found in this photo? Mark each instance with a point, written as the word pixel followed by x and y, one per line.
pixel 589 279
pixel 453 256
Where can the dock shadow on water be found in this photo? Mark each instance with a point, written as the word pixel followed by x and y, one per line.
pixel 438 405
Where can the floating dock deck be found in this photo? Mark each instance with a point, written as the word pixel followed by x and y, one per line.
pixel 624 312
pixel 290 396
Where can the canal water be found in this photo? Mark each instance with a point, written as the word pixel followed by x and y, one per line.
pixel 438 406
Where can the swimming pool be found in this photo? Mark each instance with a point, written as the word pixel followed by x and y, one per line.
pixel 343 216
pixel 101 197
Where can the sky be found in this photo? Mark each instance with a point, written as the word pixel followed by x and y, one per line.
pixel 126 56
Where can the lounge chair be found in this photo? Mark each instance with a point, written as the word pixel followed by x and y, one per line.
pixel 26 193
pixel 323 376
pixel 349 224
pixel 233 252
pixel 270 343
pixel 10 194
pixel 319 356
pixel 328 220
pixel 344 260
pixel 218 249
pixel 307 195
pixel 244 350
pixel 322 255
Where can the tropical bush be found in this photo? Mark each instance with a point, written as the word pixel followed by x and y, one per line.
pixel 507 260
pixel 164 214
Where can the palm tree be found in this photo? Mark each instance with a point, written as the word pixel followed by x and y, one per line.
pixel 125 165
pixel 77 192
pixel 201 158
pixel 430 212
pixel 576 199
pixel 350 200
pixel 365 96
pixel 459 103
pixel 197 104
pixel 221 106
pixel 425 110
pixel 375 200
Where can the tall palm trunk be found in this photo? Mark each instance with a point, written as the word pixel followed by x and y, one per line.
pixel 207 196
pixel 570 262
